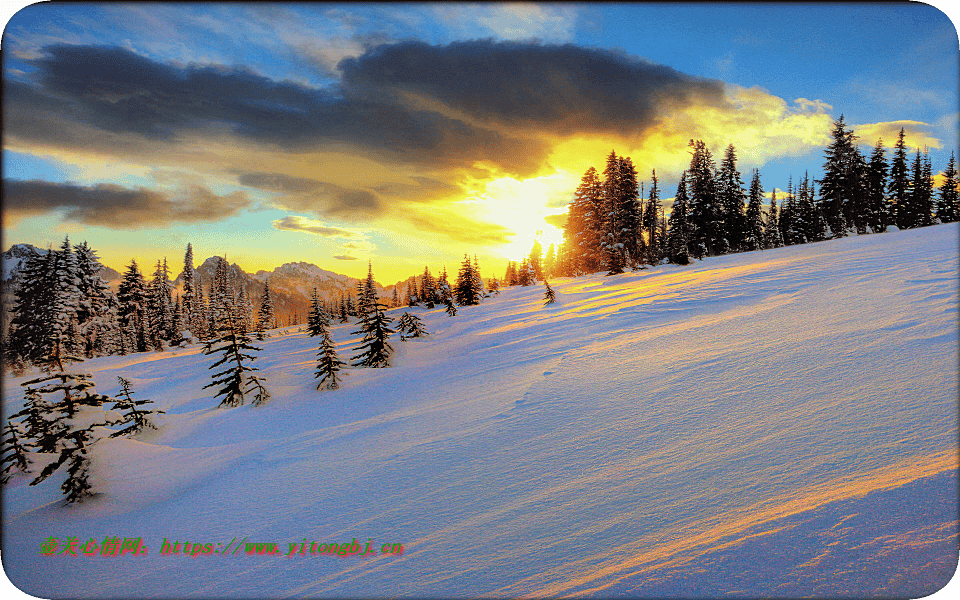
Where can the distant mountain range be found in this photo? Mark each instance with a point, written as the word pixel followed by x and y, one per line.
pixel 290 284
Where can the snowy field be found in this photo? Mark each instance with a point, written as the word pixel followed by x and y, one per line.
pixel 775 423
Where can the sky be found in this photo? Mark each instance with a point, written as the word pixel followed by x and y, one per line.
pixel 411 134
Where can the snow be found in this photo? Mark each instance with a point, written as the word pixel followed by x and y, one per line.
pixel 776 423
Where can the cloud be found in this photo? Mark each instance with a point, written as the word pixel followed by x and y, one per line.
pixel 329 199
pixel 916 134
pixel 554 23
pixel 117 207
pixel 345 257
pixel 298 223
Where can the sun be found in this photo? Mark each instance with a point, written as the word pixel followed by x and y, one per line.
pixel 523 206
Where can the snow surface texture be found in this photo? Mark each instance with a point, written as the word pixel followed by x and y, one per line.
pixel 776 423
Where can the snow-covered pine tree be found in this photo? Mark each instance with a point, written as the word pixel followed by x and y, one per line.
pixel 315 318
pixel 731 198
pixel 265 318
pixel 395 298
pixel 28 337
pixel 133 298
pixel 451 309
pixel 899 187
pixel 236 379
pixel 410 326
pixel 328 363
pixel 97 311
pixel 189 295
pixel 160 312
pixel 587 227
pixel 136 420
pixel 771 228
pixel 465 289
pixel 678 229
pixel 176 324
pixel 549 296
pixel 68 425
pixel 14 455
pixel 428 291
pixel 948 207
pixel 704 217
pixel 753 220
pixel 495 287
pixel 374 349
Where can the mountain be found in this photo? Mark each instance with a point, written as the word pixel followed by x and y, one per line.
pixel 290 286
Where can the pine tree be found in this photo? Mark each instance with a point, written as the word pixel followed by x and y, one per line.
pixel 548 294
pixel 753 222
pixel 583 228
pixel 451 309
pixel 133 298
pixel 66 426
pixel 465 290
pixel 427 293
pixel 395 300
pixel 189 295
pixel 96 315
pixel 236 379
pixel 374 349
pixel 651 216
pixel 900 184
pixel 731 198
pixel 328 363
pixel 316 319
pixel 876 190
pixel 29 336
pixel 265 317
pixel 136 420
pixel 176 324
pixel 948 208
pixel 410 326
pixel 704 215
pixel 921 197
pixel 160 313
pixel 14 453
pixel 678 230
pixel 771 231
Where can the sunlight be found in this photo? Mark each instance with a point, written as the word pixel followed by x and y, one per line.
pixel 522 207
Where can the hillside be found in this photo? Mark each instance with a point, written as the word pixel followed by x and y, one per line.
pixel 775 423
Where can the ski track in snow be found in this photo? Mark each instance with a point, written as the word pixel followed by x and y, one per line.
pixel 774 423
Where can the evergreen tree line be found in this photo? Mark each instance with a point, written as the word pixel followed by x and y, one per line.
pixel 612 227
pixel 63 306
pixel 468 289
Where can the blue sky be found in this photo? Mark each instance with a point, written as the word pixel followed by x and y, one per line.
pixel 410 134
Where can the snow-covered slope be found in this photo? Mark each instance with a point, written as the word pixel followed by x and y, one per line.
pixel 777 423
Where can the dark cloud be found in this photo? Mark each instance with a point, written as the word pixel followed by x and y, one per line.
pixel 319 197
pixel 504 102
pixel 561 88
pixel 345 257
pixel 119 92
pixel 117 207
